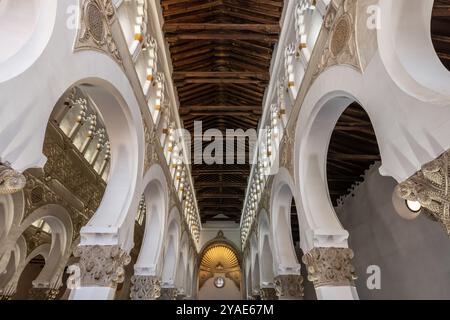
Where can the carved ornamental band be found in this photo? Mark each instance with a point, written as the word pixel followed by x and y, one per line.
pixel 330 267
pixel 145 288
pixel 11 181
pixel 430 187
pixel 289 286
pixel 102 266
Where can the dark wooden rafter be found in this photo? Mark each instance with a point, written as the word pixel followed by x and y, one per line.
pixel 353 148
pixel 221 53
pixel 440 30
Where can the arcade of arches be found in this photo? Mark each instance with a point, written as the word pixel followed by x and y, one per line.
pixel 117 182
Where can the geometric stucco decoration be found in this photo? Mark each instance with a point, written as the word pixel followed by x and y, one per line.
pixel 94 33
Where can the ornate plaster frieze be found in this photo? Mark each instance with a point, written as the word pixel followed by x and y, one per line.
pixel 11 181
pixel 341 46
pixel 43 294
pixel 145 288
pixel 287 152
pixel 168 293
pixel 70 169
pixel 102 266
pixel 268 294
pixel 430 187
pixel 95 28
pixel 151 153
pixel 330 267
pixel 289 286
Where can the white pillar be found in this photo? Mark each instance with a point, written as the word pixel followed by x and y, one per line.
pixel 93 293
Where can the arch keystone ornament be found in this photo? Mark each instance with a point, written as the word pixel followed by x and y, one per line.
pixel 11 181
pixel 330 267
pixel 145 288
pixel 95 31
pixel 430 187
pixel 102 266
pixel 289 286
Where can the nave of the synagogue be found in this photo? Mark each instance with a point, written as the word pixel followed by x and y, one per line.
pixel 224 149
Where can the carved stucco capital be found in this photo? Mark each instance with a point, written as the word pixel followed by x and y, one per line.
pixel 430 187
pixel 43 293
pixel 330 267
pixel 11 181
pixel 289 286
pixel 102 266
pixel 168 293
pixel 145 288
pixel 268 294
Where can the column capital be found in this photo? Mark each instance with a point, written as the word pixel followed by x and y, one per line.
pixel 102 266
pixel 289 286
pixel 145 288
pixel 429 187
pixel 268 293
pixel 168 293
pixel 43 293
pixel 330 266
pixel 11 181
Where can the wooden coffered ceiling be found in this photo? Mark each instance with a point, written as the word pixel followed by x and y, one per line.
pixel 221 52
pixel 440 30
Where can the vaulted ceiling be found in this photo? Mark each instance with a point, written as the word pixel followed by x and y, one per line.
pixel 221 52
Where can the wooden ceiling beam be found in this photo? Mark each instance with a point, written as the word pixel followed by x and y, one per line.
pixel 267 28
pixel 222 36
pixel 217 74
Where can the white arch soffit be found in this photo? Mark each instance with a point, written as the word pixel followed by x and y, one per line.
pixel 254 251
pixel 284 256
pixel 406 48
pixel 114 219
pixel 172 248
pixel 25 31
pixel 12 209
pixel 10 262
pixel 266 253
pixel 59 221
pixel 56 216
pixel 23 148
pixel 155 193
pixel 184 248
